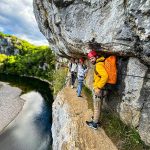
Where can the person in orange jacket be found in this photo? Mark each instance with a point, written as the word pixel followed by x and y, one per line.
pixel 100 80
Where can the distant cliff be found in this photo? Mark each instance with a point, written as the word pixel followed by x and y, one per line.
pixel 9 45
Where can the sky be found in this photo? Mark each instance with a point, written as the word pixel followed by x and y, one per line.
pixel 17 18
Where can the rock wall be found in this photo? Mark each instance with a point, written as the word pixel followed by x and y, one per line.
pixel 144 122
pixel 7 46
pixel 132 100
pixel 121 27
pixel 130 97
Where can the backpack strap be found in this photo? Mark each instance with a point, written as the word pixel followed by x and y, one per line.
pixel 95 71
pixel 100 61
pixel 95 67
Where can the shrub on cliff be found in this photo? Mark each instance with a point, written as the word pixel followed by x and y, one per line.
pixel 59 79
pixel 31 60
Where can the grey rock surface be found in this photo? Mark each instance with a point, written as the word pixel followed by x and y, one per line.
pixel 144 123
pixel 132 104
pixel 7 46
pixel 120 25
pixel 10 104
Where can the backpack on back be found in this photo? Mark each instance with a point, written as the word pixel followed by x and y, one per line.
pixel 111 69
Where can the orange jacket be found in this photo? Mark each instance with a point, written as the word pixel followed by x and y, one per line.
pixel 101 78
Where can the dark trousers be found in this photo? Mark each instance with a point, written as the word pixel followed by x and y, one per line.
pixel 73 77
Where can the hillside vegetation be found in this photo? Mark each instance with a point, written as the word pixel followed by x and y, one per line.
pixel 22 58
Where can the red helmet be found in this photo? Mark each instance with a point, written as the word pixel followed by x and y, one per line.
pixel 81 60
pixel 92 54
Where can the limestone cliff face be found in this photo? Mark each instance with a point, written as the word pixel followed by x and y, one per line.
pixel 121 27
pixel 7 46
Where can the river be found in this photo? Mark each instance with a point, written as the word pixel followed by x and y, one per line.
pixel 31 129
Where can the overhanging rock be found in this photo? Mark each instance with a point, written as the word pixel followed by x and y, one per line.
pixel 119 25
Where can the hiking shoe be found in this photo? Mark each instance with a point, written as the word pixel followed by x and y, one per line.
pixel 92 124
pixel 72 86
pixel 98 123
pixel 79 96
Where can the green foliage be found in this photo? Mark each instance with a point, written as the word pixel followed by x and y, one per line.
pixel 3 57
pixel 123 136
pixel 2 34
pixel 23 46
pixel 59 79
pixel 88 94
pixel 32 60
pixel 29 64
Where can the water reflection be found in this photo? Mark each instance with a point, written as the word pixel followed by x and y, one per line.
pixel 31 130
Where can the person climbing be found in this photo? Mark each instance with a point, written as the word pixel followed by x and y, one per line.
pixel 73 66
pixel 102 76
pixel 82 70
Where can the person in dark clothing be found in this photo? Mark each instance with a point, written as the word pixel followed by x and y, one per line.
pixel 73 67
